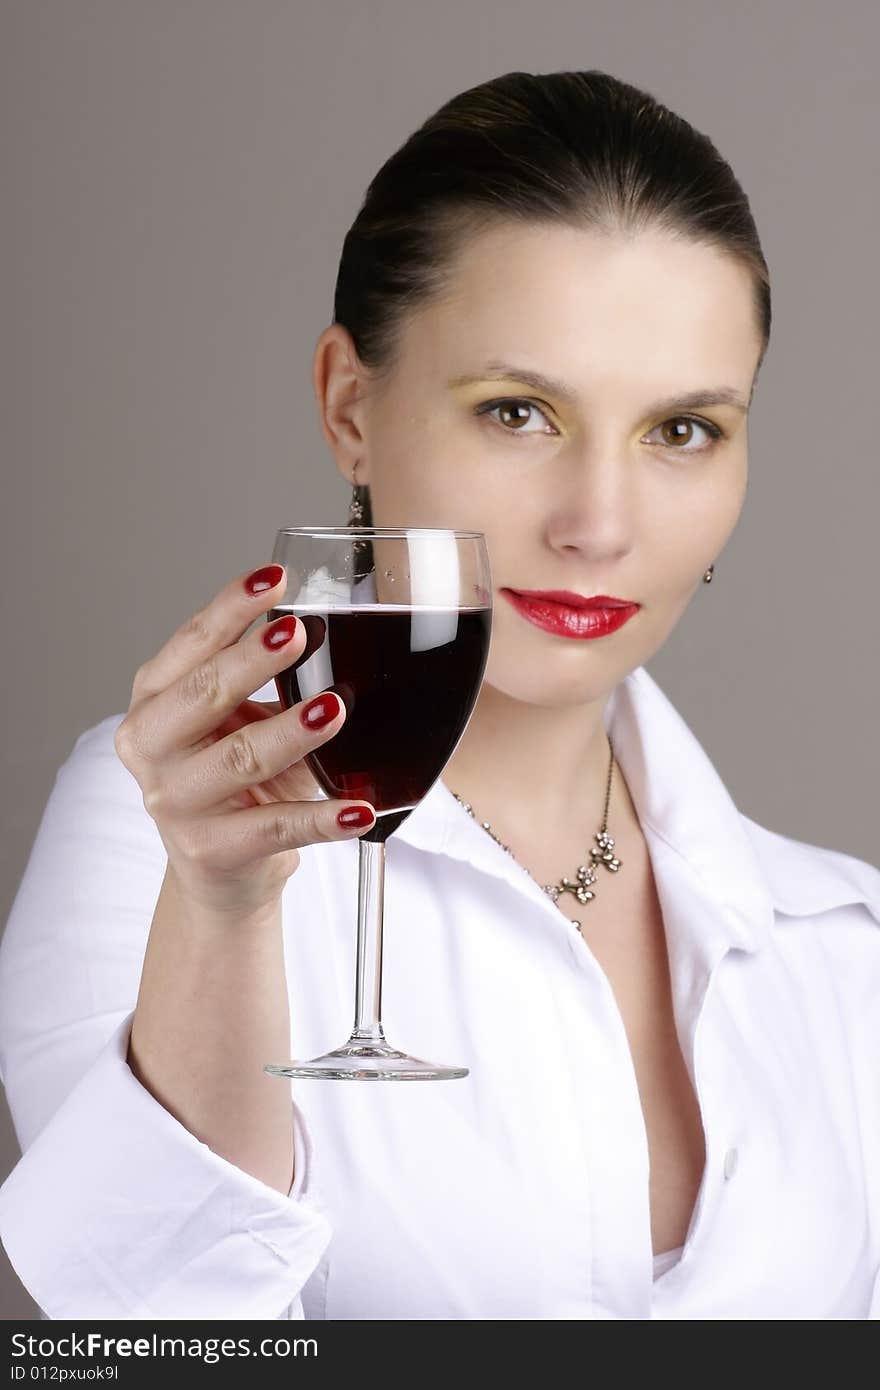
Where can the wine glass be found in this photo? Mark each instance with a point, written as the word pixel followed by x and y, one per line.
pixel 398 622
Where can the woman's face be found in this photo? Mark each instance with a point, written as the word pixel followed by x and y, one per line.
pixel 607 482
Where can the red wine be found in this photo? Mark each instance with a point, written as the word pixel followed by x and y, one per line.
pixel 409 678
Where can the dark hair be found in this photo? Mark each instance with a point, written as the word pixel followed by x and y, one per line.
pixel 582 149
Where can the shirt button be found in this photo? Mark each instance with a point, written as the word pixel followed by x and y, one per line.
pixel 731 1158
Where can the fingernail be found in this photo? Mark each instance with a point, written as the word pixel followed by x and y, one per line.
pixel 262 580
pixel 321 711
pixel 360 816
pixel 279 633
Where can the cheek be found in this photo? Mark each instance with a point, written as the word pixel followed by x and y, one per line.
pixel 698 520
pixel 416 481
pixel 420 440
pixel 417 494
pixel 725 503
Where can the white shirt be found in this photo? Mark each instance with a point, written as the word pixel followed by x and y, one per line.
pixel 518 1192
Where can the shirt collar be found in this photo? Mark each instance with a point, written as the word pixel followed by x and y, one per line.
pixel 691 825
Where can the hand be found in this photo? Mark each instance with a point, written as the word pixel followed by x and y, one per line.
pixel 222 775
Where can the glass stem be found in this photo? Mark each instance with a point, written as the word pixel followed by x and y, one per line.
pixel 371 907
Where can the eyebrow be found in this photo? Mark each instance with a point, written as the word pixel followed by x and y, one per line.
pixel 690 400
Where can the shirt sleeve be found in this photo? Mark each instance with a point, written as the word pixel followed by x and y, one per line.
pixel 115 1209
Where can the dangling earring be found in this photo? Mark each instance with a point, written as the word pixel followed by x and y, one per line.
pixel 362 548
pixel 355 506
pixel 707 577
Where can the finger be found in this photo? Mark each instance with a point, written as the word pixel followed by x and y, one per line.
pixel 249 756
pixel 294 783
pixel 184 715
pixel 221 622
pixel 237 841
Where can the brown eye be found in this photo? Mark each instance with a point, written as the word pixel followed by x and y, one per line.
pixel 514 414
pixel 677 431
pixel 678 434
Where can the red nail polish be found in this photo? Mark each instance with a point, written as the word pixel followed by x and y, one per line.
pixel 261 581
pixel 360 816
pixel 321 711
pixel 279 633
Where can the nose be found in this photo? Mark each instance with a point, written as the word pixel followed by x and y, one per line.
pixel 591 506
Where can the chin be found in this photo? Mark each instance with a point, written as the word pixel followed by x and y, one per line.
pixel 570 690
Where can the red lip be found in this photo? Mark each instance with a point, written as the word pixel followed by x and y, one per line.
pixel 574 600
pixel 595 617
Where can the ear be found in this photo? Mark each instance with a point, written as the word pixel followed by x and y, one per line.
pixel 339 382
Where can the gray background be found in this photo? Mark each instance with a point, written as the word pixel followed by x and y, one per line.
pixel 177 179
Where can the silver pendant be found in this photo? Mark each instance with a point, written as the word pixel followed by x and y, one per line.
pixel 604 855
pixel 586 873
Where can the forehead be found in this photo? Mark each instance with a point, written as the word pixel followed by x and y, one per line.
pixel 591 308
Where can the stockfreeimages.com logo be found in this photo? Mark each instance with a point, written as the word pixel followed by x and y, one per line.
pixel 94 1345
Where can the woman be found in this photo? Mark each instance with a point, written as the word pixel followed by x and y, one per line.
pixel 550 315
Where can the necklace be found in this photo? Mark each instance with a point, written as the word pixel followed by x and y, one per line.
pixel 582 884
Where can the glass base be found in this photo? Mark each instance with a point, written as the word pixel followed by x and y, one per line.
pixel 366 1061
